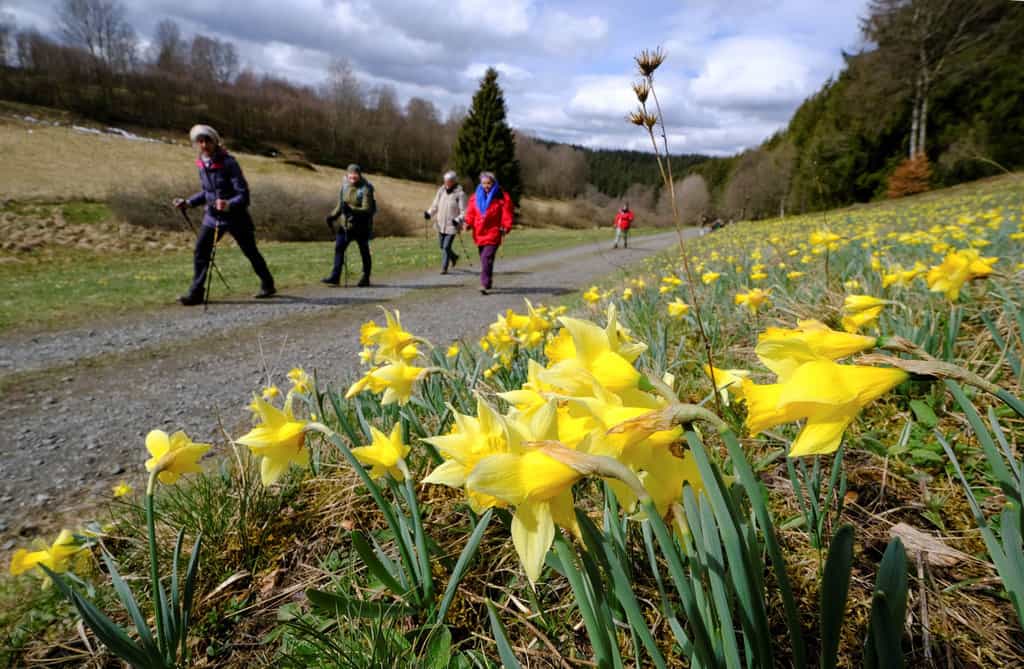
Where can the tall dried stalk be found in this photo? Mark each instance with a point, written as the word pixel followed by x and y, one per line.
pixel 647 62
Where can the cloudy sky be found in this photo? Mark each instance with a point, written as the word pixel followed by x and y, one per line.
pixel 736 69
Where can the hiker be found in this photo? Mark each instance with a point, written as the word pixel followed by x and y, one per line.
pixel 356 207
pixel 226 196
pixel 489 216
pixel 447 210
pixel 623 221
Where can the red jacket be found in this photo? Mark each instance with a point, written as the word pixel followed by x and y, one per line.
pixel 623 220
pixel 487 227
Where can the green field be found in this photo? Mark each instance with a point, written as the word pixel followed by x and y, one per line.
pixel 70 285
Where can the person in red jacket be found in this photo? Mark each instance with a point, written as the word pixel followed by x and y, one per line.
pixel 489 216
pixel 623 221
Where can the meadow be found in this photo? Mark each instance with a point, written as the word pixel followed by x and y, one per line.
pixel 575 489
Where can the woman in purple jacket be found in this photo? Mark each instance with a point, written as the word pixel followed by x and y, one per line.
pixel 226 196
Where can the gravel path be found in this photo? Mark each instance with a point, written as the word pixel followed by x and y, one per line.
pixel 76 404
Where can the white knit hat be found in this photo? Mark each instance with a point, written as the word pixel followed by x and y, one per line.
pixel 201 130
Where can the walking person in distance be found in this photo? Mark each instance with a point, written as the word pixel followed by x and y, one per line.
pixel 623 222
pixel 447 211
pixel 356 207
pixel 489 216
pixel 226 196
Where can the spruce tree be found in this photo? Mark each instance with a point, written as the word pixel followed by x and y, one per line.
pixel 485 141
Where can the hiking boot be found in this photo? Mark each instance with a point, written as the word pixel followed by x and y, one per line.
pixel 364 282
pixel 190 300
pixel 265 293
pixel 444 271
pixel 483 291
pixel 330 282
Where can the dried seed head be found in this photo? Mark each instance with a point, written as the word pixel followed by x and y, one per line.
pixel 649 61
pixel 642 118
pixel 642 90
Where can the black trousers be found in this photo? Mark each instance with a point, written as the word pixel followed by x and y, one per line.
pixel 245 235
pixel 341 241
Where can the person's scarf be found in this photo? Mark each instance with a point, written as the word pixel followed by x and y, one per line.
pixel 483 198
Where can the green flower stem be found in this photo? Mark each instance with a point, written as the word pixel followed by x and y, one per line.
pixel 154 572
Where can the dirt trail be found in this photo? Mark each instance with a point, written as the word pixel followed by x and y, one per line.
pixel 76 404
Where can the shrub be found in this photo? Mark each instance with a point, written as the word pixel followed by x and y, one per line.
pixel 910 177
pixel 280 214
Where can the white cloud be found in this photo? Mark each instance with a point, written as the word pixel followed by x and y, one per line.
pixel 755 73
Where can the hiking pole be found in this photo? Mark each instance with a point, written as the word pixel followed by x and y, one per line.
pixel 465 252
pixel 213 265
pixel 195 233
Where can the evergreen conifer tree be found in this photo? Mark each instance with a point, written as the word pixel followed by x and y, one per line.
pixel 485 141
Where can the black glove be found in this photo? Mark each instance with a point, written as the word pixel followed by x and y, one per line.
pixel 426 216
pixel 346 210
pixel 180 203
pixel 329 220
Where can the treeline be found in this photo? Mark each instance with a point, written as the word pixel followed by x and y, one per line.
pixel 943 80
pixel 93 66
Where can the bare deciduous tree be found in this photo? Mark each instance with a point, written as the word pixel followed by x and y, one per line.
pixel 213 59
pixel 99 27
pixel 169 49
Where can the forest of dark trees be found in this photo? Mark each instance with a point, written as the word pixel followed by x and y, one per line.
pixel 938 79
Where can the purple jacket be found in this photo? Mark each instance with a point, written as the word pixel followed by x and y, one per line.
pixel 222 180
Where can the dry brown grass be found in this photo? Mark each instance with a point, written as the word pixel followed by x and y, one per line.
pixel 44 163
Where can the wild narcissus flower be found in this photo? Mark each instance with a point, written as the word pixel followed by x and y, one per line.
pixel 827 394
pixel 861 311
pixel 452 351
pixel 301 381
pixel 825 239
pixel 270 392
pixel 783 350
pixel 395 380
pixel 57 557
pixel 709 277
pixel 754 299
pixel 393 343
pixel 900 277
pixel 279 439
pixel 383 453
pixel 627 294
pixel 470 439
pixel 677 308
pixel 173 455
pixel 592 352
pixel 593 295
pixel 795 275
pixel 958 268
pixel 121 489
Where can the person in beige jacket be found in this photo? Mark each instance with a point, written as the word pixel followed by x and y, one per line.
pixel 447 211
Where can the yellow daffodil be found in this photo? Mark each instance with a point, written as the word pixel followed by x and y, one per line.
pixel 270 392
pixel 827 394
pixel 173 455
pixel 384 453
pixel 753 299
pixel 606 354
pixel 470 439
pixel 279 440
pixel 540 488
pixel 301 381
pixel 57 557
pixel 395 380
pixel 902 278
pixel 794 275
pixel 593 295
pixel 393 343
pixel 122 489
pixel 677 308
pixel 452 351
pixel 783 350
pixel 709 277
pixel 627 294
pixel 958 268
pixel 861 311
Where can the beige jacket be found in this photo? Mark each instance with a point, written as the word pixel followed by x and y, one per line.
pixel 446 208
